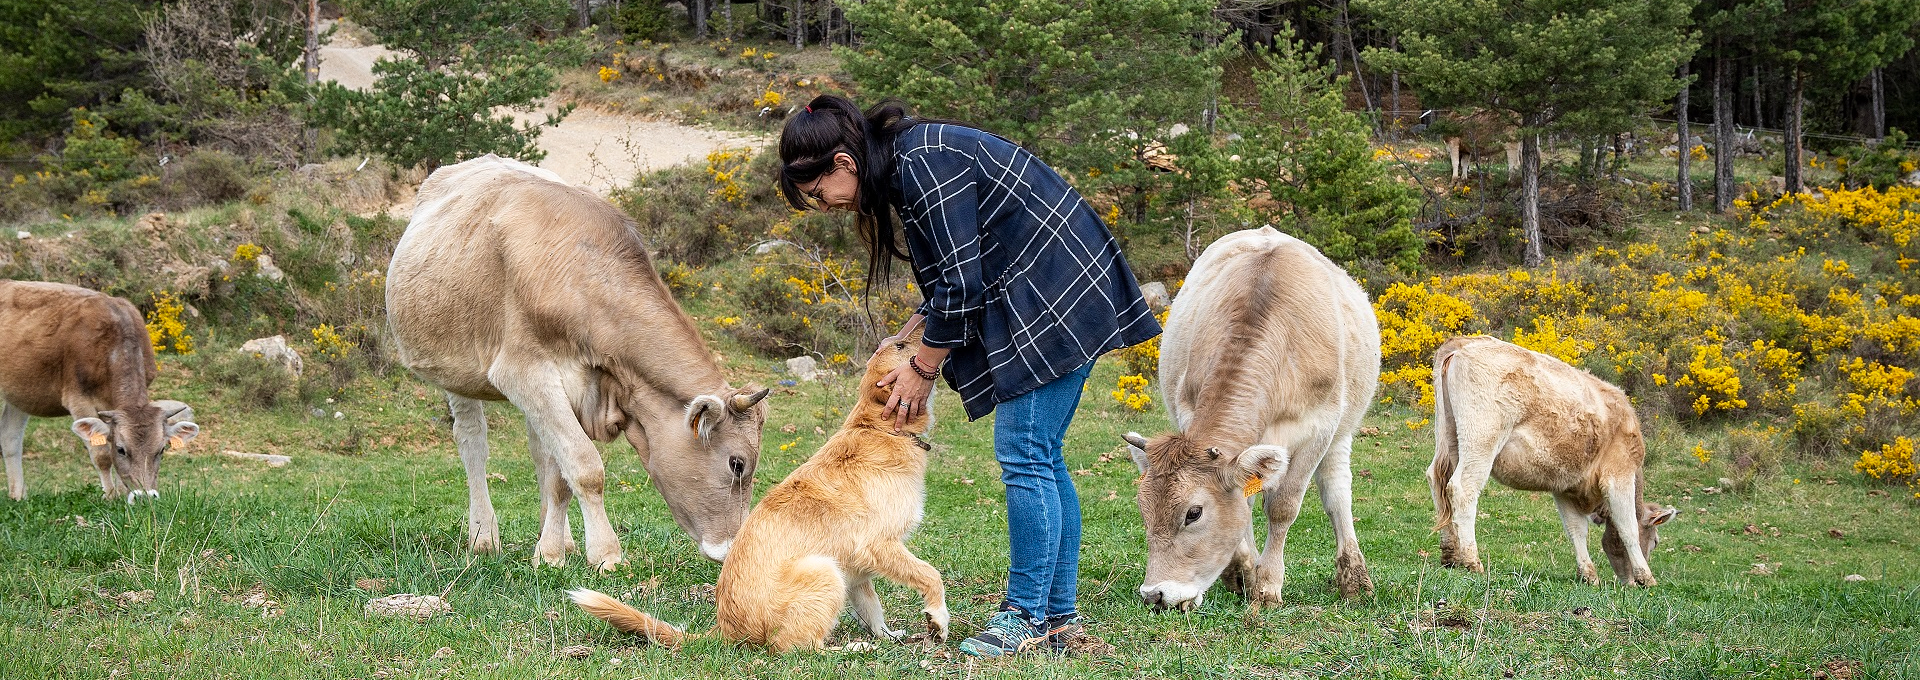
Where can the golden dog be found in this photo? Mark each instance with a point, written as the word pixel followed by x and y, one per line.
pixel 821 535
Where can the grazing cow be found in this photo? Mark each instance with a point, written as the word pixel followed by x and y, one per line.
pixel 822 535
pixel 73 351
pixel 1536 424
pixel 1269 362
pixel 511 285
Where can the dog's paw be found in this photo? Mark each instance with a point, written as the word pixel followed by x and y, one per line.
pixel 937 620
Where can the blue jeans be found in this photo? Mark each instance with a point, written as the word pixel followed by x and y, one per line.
pixel 1043 510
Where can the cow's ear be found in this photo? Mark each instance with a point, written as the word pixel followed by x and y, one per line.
pixel 93 431
pixel 1657 515
pixel 703 414
pixel 1137 448
pixel 178 434
pixel 1260 462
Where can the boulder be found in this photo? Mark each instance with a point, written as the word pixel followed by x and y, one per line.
pixel 276 350
pixel 805 368
pixel 265 269
pixel 1155 293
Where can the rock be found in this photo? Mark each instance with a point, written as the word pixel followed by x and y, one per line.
pixel 575 652
pixel 1703 229
pixel 264 269
pixel 805 368
pixel 1177 130
pixel 765 247
pixel 1155 293
pixel 152 223
pixel 271 459
pixel 1775 185
pixel 1912 180
pixel 311 171
pixel 24 235
pixel 421 607
pixel 1853 578
pixel 275 349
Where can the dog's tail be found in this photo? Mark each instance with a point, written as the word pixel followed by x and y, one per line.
pixel 610 609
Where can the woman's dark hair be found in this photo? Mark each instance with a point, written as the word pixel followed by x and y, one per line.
pixel 833 125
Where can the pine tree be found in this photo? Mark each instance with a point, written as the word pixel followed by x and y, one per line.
pixel 1548 65
pixel 1087 86
pixel 467 59
pixel 1833 42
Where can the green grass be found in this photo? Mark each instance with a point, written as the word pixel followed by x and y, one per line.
pixel 395 510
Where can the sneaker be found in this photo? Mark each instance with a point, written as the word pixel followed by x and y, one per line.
pixel 1008 632
pixel 1061 631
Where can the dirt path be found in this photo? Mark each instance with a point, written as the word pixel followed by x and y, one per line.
pixel 590 148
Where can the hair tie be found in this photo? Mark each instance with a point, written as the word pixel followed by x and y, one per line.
pixel 809 109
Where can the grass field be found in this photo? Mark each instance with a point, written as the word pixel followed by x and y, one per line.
pixel 241 570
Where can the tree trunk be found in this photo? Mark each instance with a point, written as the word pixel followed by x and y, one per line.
pixel 1530 198
pixel 1683 178
pixel 1791 140
pixel 313 69
pixel 1723 135
pixel 726 16
pixel 1758 120
pixel 1879 107
pixel 1353 56
pixel 586 10
pixel 698 8
pixel 799 24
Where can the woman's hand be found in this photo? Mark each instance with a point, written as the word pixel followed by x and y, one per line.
pixel 910 392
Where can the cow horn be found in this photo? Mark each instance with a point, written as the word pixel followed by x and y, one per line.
pixel 170 414
pixel 742 402
pixel 1135 440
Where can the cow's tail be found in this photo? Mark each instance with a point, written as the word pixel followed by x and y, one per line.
pixel 1446 441
pixel 611 610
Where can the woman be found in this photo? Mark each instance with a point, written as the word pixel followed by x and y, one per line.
pixel 1024 288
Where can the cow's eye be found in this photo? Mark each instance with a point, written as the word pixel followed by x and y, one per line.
pixel 738 465
pixel 121 450
pixel 1193 514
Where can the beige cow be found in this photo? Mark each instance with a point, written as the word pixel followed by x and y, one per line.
pixel 66 350
pixel 1536 424
pixel 510 284
pixel 1269 362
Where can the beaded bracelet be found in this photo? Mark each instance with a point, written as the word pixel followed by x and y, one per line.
pixel 929 374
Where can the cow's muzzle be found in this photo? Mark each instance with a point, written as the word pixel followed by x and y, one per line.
pixel 1171 595
pixel 137 494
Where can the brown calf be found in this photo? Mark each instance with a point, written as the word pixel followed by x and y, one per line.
pixel 1536 424
pixel 73 351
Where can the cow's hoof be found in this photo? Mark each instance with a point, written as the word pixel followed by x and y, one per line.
pixel 1589 574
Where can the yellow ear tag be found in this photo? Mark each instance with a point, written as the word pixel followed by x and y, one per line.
pixel 176 442
pixel 1252 487
pixel 97 440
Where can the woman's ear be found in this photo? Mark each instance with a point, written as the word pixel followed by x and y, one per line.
pixel 844 161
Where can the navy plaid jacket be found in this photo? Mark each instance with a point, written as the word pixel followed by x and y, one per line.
pixel 1022 281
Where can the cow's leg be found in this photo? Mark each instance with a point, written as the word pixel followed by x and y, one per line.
pixel 866 606
pixel 1453 154
pixel 1575 523
pixel 1335 479
pixel 1282 505
pixel 110 486
pixel 470 437
pixel 1478 447
pixel 1238 577
pixel 13 440
pixel 552 425
pixel 1443 503
pixel 1625 515
pixel 892 560
pixel 556 529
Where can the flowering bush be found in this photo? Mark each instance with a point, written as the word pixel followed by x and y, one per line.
pixel 1131 392
pixel 164 327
